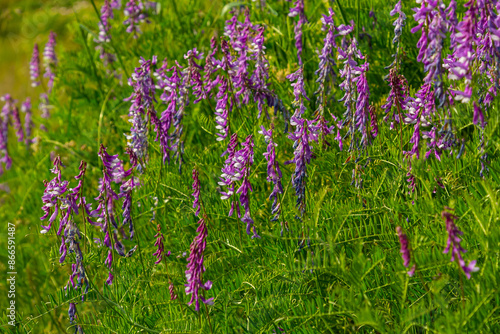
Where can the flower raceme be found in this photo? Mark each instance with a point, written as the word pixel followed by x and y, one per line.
pixel 454 244
pixel 405 250
pixel 195 266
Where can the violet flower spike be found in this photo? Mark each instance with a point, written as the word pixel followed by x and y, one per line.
pixel 159 243
pixel 298 10
pixel 454 245
pixel 16 122
pixel 405 250
pixel 50 60
pixel 223 107
pixel 35 67
pixel 195 267
pixel 304 134
pixel 274 174
pixel 142 100
pixel 28 121
pixel 134 11
pixel 4 127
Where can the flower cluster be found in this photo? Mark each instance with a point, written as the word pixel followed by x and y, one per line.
pixel 135 11
pixel 405 250
pixel 50 60
pixel 273 171
pixel 141 104
pixel 195 266
pixel 237 168
pixel 454 245
pixel 298 10
pixel 35 67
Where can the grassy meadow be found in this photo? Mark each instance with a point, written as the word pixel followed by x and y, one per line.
pixel 335 268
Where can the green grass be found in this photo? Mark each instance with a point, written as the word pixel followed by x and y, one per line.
pixel 349 279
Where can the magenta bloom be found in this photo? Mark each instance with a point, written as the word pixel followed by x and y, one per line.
pixel 405 250
pixel 195 267
pixel 161 248
pixel 454 245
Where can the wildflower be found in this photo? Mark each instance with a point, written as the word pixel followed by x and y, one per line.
pixel 28 122
pixel 159 243
pixel 454 245
pixel 35 67
pixel 44 105
pixel 261 73
pixel 399 23
pixel 4 127
pixel 72 312
pixel 305 133
pixel 325 71
pixel 16 122
pixel 134 11
pixel 397 97
pixel 298 10
pixel 171 289
pixel 223 107
pixel 405 250
pixel 195 267
pixel 142 102
pixel 299 92
pixel 50 60
pixel 105 24
pixel 226 178
pixel 273 171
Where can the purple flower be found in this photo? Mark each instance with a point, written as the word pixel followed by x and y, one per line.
pixel 53 196
pixel 142 103
pixel 4 127
pixel 226 178
pixel 160 251
pixel 16 122
pixel 261 73
pixel 298 10
pixel 299 93
pixel 405 250
pixel 325 71
pixel 373 121
pixel 44 105
pixel 397 97
pixel 116 4
pixel 362 105
pixel 273 171
pixel 356 95
pixel 28 122
pixel 193 76
pixel 305 132
pixel 195 267
pixel 134 11
pixel 399 23
pixel 35 67
pixel 237 168
pixel 175 96
pixel 454 245
pixel 210 68
pixel 126 193
pixel 171 289
pixel 105 24
pixel 222 110
pixel 50 60
pixel 72 312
